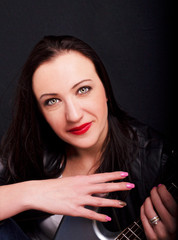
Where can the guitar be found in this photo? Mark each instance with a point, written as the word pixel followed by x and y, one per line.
pixel 77 228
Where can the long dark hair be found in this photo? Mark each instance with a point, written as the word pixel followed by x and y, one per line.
pixel 30 138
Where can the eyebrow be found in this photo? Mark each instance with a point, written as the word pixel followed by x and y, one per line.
pixel 55 94
pixel 48 94
pixel 85 80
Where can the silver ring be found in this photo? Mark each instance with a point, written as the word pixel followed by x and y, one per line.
pixel 154 220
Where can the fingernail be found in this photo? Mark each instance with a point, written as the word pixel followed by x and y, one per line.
pixel 130 185
pixel 123 204
pixel 108 219
pixel 124 174
pixel 159 185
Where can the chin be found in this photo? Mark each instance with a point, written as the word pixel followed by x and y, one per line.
pixel 85 143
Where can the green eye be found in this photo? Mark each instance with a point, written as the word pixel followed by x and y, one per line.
pixel 83 90
pixel 52 101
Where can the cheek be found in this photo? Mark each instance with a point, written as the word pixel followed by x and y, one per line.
pixel 54 120
pixel 100 106
pixel 104 109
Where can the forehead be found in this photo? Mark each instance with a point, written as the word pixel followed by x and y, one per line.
pixel 69 60
pixel 67 68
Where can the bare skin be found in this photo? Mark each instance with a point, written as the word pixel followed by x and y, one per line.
pixel 160 203
pixel 70 94
pixel 66 196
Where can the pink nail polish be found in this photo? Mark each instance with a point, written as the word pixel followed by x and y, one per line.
pixel 124 174
pixel 108 219
pixel 130 185
pixel 159 185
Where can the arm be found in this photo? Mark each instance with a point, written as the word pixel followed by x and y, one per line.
pixel 14 199
pixel 66 196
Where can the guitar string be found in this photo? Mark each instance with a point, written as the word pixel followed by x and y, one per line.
pixel 132 232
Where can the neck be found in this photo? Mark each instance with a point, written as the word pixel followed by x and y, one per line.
pixel 82 161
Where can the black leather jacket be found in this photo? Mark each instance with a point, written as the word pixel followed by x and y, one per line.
pixel 147 170
pixel 155 164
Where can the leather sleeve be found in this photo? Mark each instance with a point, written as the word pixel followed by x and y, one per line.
pixel 155 163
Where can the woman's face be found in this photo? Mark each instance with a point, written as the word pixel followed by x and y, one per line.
pixel 72 99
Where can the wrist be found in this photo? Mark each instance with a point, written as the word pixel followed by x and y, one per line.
pixel 29 194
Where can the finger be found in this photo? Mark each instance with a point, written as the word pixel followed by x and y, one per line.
pixel 167 200
pixel 90 214
pixel 150 213
pixel 167 219
pixel 107 177
pixel 104 202
pixel 111 187
pixel 149 232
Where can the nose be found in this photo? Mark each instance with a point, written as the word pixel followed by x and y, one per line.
pixel 73 111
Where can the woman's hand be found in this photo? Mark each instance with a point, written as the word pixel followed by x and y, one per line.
pixel 161 204
pixel 70 195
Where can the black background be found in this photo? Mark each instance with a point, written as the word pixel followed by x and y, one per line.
pixel 133 38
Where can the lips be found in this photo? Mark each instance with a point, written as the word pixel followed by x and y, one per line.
pixel 81 129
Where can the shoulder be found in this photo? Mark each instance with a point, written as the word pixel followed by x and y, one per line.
pixel 150 140
pixel 145 133
pixel 155 152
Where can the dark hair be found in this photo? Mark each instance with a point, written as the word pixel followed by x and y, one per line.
pixel 29 135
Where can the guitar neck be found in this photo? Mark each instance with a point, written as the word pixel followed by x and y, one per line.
pixel 135 230
pixel 81 228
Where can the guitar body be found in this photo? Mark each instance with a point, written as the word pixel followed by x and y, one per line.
pixel 77 228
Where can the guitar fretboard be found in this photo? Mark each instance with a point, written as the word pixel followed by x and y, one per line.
pixel 135 230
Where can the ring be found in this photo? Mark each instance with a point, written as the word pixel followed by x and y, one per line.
pixel 154 220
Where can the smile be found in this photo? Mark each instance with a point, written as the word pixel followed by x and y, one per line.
pixel 81 129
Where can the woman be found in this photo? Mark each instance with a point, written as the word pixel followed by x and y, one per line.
pixel 69 146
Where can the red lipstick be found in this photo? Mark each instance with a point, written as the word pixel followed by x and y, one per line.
pixel 80 129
